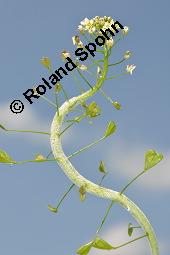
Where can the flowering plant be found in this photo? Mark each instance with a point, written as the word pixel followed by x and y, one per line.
pixel 89 29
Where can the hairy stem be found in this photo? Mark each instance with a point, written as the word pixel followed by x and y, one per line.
pixel 78 179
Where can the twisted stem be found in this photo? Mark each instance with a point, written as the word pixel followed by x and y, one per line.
pixel 78 179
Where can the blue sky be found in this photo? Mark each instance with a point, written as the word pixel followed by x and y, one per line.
pixel 32 29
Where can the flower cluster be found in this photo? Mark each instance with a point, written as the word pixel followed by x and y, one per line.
pixel 93 26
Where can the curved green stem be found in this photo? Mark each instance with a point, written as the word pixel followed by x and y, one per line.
pixel 79 180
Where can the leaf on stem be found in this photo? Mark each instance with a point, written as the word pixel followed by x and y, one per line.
pixel 152 158
pixel 5 158
pixel 39 157
pixel 111 128
pixel 84 249
pixel 117 105
pixel 82 192
pixel 130 229
pixel 102 244
pixel 93 110
pixel 52 209
pixel 2 127
pixel 102 167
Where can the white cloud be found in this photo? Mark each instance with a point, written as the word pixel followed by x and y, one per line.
pixel 117 235
pixel 30 120
pixel 128 160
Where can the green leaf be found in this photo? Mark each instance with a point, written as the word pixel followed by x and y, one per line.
pixel 152 158
pixel 5 158
pixel 83 250
pixel 102 244
pixel 3 127
pixel 117 105
pixel 93 110
pixel 58 87
pixel 111 128
pixel 39 157
pixel 82 192
pixel 52 209
pixel 102 167
pixel 130 229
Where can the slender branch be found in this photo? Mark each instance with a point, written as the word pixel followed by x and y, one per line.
pixel 47 100
pixel 77 82
pixel 65 94
pixel 123 190
pixel 82 76
pixel 65 194
pixel 49 154
pixel 107 97
pixel 117 63
pixel 31 161
pixel 103 177
pixel 27 131
pixel 115 76
pixel 57 104
pixel 105 217
pixel 86 147
pixel 134 240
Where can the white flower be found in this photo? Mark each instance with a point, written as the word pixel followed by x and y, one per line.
pixel 85 22
pixel 81 29
pixel 93 26
pixel 130 68
pixel 125 30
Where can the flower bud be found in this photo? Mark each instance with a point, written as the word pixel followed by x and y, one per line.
pixel 82 193
pixel 58 87
pixel 52 209
pixel 127 54
pixel 117 105
pixel 39 157
pixel 125 30
pixel 81 29
pixel 76 40
pixel 65 54
pixel 102 167
pixel 45 61
pixel 99 71
pixel 110 43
